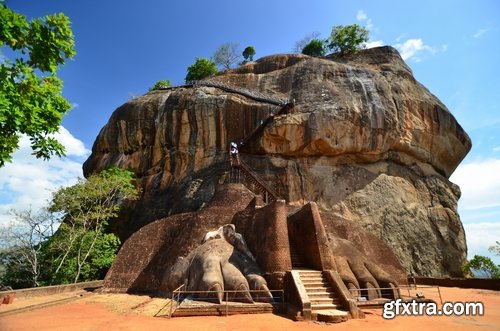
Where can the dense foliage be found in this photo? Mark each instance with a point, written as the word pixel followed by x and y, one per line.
pixel 315 48
pixel 347 39
pixel 161 84
pixel 248 53
pixel 482 267
pixel 202 68
pixel 80 249
pixel 30 92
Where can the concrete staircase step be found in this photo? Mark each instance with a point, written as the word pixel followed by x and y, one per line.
pixel 312 289
pixel 331 316
pixel 315 281
pixel 323 306
pixel 312 279
pixel 322 301
pixel 322 294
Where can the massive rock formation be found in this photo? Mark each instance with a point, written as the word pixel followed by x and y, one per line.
pixel 364 140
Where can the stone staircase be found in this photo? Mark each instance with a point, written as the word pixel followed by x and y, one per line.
pixel 324 302
pixel 268 193
pixel 296 260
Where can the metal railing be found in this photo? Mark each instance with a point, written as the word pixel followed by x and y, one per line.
pixel 230 297
pixel 252 94
pixel 412 290
pixel 258 96
pixel 269 194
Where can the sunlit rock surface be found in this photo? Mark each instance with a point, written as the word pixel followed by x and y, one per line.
pixel 364 140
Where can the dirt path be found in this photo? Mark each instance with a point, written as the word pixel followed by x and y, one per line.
pixel 127 312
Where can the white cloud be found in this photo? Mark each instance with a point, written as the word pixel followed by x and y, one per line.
pixel 74 147
pixel 411 47
pixel 480 236
pixel 29 182
pixel 361 16
pixel 480 33
pixel 480 184
pixel 401 37
pixel 375 43
pixel 496 149
pixel 479 205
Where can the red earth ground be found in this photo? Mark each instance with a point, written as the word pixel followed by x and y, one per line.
pixel 127 312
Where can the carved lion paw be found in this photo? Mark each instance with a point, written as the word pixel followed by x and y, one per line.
pixel 217 266
pixel 361 276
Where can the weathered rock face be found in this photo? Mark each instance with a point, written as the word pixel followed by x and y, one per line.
pixel 364 140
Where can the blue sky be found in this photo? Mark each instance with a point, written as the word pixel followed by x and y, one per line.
pixel 124 47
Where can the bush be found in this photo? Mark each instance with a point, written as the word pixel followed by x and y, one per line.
pixel 160 84
pixel 202 68
pixel 315 47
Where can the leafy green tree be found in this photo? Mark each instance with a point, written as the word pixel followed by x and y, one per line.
pixel 202 68
pixel 347 39
pixel 160 84
pixel 315 48
pixel 248 54
pixel 85 210
pixel 30 92
pixel 101 256
pixel 482 266
pixel 226 55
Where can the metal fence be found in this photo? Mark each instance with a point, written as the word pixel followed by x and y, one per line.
pixel 230 297
pixel 413 291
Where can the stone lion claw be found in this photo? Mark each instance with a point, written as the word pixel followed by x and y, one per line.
pixel 220 268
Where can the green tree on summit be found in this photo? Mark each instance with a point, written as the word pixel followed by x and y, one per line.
pixel 248 54
pixel 202 68
pixel 347 39
pixel 31 103
pixel 160 84
pixel 315 47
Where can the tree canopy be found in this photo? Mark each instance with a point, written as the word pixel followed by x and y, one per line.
pixel 482 266
pixel 315 48
pixel 31 101
pixel 202 68
pixel 160 84
pixel 248 53
pixel 81 249
pixel 348 39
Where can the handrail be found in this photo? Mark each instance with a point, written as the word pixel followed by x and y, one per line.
pixel 268 192
pixel 179 292
pixel 402 287
pixel 243 91
pixel 265 122
pixel 255 95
